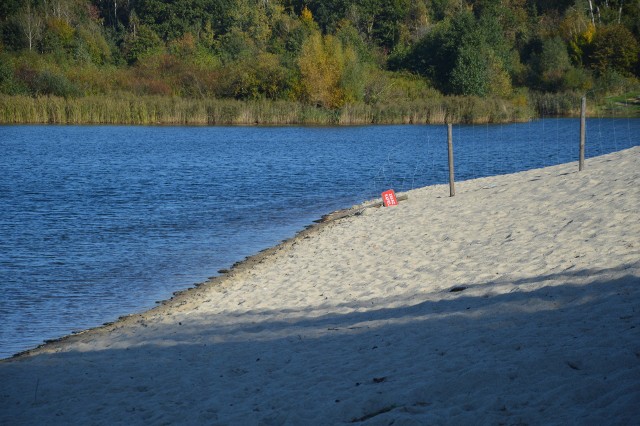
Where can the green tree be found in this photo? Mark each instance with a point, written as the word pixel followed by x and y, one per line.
pixel 235 45
pixel 8 83
pixel 461 53
pixel 353 77
pixel 470 76
pixel 614 48
pixel 553 62
pixel 9 8
pixel 255 77
pixel 12 35
pixel 297 31
pixel 141 41
pixel 551 6
pixel 390 22
pixel 95 44
pixel 382 21
pixel 253 18
pixel 417 20
pixel 58 35
pixel 443 9
pixel 327 13
pixel 171 19
pixel 435 55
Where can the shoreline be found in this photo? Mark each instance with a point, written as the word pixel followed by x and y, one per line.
pixel 219 280
pixel 162 306
pixel 516 301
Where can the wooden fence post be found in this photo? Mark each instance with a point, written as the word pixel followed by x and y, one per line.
pixel 583 121
pixel 452 187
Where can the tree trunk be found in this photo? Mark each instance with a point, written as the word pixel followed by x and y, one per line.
pixel 31 25
pixel 620 11
pixel 593 21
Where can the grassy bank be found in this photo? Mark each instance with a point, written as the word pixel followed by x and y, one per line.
pixel 164 110
pixel 627 105
pixel 128 109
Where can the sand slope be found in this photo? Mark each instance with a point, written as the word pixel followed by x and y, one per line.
pixel 355 321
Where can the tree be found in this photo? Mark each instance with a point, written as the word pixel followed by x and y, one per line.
pixel 614 49
pixel 327 13
pixel 8 82
pixel 9 7
pixel 417 20
pixel 436 55
pixel 319 71
pixel 141 42
pixel 326 67
pixel 31 25
pixel 97 48
pixel 255 77
pixel 389 24
pixel 442 9
pixel 578 32
pixel 547 6
pixel 549 65
pixel 470 76
pixel 235 45
pixel 171 19
pixel 609 12
pixel 58 35
pixel 183 47
pixel 463 53
pixel 253 20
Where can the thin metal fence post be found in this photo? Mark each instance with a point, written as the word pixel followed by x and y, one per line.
pixel 583 125
pixel 452 187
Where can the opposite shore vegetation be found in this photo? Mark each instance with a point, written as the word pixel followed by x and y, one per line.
pixel 149 110
pixel 158 110
pixel 206 62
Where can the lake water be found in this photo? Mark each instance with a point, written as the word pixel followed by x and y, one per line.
pixel 101 221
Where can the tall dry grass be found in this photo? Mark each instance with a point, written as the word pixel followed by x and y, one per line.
pixel 148 110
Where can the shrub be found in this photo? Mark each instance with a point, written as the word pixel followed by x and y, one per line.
pixel 8 83
pixel 49 83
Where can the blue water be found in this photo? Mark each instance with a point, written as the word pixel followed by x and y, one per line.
pixel 102 221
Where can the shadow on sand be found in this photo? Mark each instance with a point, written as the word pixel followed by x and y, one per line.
pixel 567 352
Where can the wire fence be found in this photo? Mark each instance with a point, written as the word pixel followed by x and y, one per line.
pixel 483 150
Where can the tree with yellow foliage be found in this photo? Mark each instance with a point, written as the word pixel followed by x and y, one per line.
pixel 327 69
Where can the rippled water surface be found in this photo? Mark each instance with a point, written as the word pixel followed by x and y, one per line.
pixel 101 221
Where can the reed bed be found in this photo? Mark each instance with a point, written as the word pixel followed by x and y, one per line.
pixel 164 110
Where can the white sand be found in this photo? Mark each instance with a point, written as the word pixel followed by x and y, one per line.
pixel 355 321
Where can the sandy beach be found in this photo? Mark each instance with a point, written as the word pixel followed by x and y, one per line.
pixel 515 302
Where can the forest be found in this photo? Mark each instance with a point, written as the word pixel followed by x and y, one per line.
pixel 314 61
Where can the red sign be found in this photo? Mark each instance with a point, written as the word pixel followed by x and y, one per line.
pixel 389 198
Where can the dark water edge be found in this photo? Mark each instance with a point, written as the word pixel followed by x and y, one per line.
pixel 102 221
